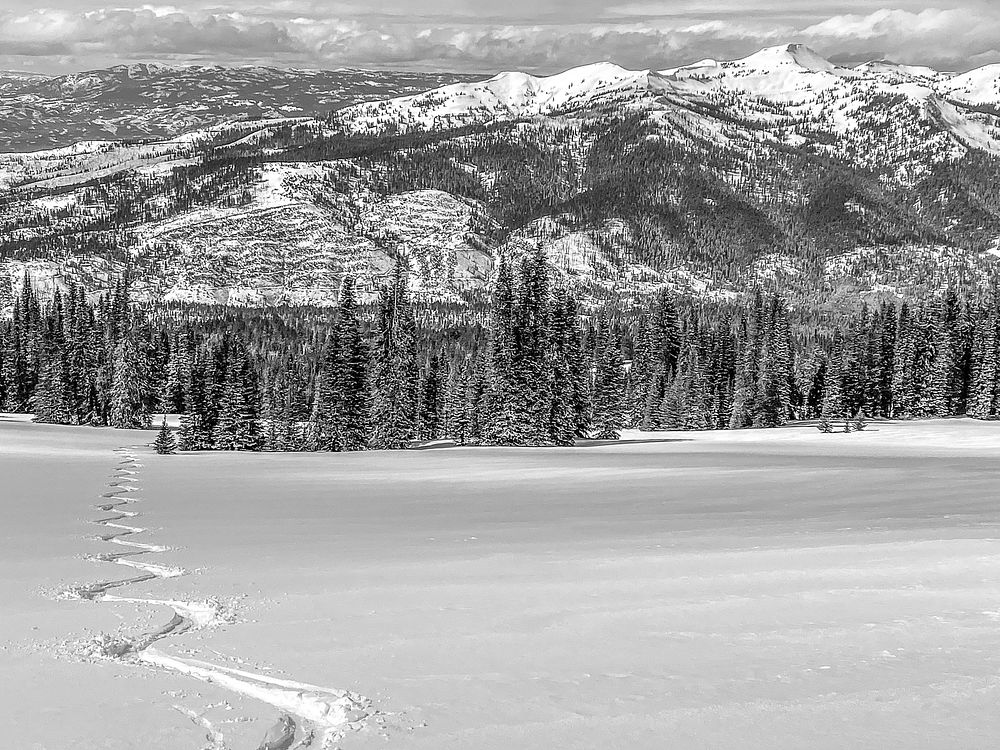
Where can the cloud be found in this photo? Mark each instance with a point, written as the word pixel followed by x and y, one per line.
pixel 635 34
pixel 955 38
pixel 148 31
pixel 885 23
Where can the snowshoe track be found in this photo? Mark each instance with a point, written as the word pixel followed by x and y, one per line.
pixel 326 713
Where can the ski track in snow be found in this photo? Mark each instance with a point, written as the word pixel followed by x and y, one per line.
pixel 324 712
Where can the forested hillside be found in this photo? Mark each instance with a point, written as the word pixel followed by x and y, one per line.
pixel 535 372
pixel 156 101
pixel 781 171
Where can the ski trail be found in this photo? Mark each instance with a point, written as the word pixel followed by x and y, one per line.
pixel 330 710
pixel 327 712
pixel 215 738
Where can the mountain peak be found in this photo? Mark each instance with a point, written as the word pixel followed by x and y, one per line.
pixel 881 67
pixel 788 54
pixel 594 72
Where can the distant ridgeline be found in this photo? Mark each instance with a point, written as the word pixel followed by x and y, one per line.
pixel 780 171
pixel 356 378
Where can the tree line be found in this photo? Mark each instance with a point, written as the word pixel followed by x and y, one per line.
pixel 541 372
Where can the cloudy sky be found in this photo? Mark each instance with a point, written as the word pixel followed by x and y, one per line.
pixel 542 36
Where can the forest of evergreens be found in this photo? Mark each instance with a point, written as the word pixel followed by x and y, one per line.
pixel 386 375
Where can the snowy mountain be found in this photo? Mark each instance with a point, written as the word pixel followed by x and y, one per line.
pixel 980 86
pixel 778 87
pixel 154 101
pixel 779 168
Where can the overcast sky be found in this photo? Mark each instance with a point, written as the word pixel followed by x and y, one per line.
pixel 541 36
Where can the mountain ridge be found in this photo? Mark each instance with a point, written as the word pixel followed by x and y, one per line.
pixel 144 101
pixel 780 167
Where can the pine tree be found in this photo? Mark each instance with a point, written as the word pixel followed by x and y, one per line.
pixel 178 368
pixel 694 400
pixel 430 402
pixel 128 387
pixel 568 413
pixel 832 406
pixel 49 398
pixel 887 357
pixel 670 414
pixel 817 386
pixel 187 436
pixel 533 362
pixel 578 369
pixel 395 381
pixel 351 372
pixel 165 444
pixel 455 412
pixel 609 392
pixel 476 401
pixel 197 421
pixel 503 417
pixel 860 421
pixel 937 397
pixel 326 424
pixel 238 424
pixel 641 377
pixel 982 399
pixel 904 385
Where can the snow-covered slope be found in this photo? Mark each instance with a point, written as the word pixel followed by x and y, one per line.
pixel 980 86
pixel 505 96
pixel 783 87
pixel 741 589
pixel 775 71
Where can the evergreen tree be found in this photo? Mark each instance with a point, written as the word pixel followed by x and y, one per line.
pixel 860 421
pixel 609 392
pixel 817 388
pixel 395 380
pixel 128 387
pixel 641 377
pixel 672 408
pixel 48 400
pixel 178 368
pixel 431 397
pixel 165 444
pixel 694 401
pixel 351 372
pixel 904 385
pixel 569 410
pixel 982 400
pixel 238 425
pixel 456 422
pixel 326 424
pixel 937 398
pixel 503 420
pixel 533 361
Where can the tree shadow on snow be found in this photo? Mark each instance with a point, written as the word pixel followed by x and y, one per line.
pixel 445 444
pixel 643 441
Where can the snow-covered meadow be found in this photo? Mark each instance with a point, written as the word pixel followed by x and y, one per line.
pixel 753 589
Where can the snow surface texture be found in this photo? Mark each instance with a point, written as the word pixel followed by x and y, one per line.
pixel 753 589
pixel 324 713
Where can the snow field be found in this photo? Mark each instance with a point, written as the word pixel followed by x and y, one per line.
pixel 752 589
